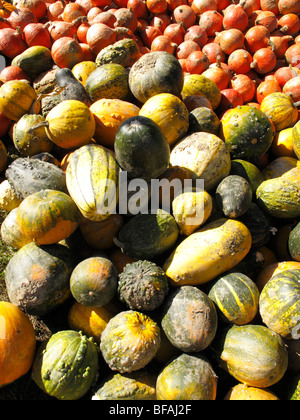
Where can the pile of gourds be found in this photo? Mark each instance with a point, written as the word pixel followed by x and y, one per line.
pixel 194 299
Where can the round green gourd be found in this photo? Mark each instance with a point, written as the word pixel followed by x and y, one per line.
pixel 236 296
pixel 248 171
pixel 66 365
pixel 189 319
pixel 34 61
pixel 279 303
pixel 294 243
pixel 143 286
pixel 205 120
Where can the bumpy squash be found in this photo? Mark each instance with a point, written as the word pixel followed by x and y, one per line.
pixel 236 296
pixel 37 278
pixel 170 113
pixel 124 52
pixel 16 99
pixel 129 341
pixel 17 344
pixel 92 178
pixel 66 365
pixel 197 84
pixel 252 354
pixel 188 377
pixel 34 61
pixel 208 253
pixel 242 392
pixel 48 216
pixel 279 303
pixel 281 110
pixel 206 155
pixel 189 319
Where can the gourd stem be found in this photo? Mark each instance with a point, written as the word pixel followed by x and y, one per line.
pixel 40 125
pixel 118 243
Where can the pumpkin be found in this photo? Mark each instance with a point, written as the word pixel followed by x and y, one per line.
pixel 141 148
pixel 70 124
pixel 197 84
pixel 242 392
pixel 170 113
pixel 11 234
pixel 66 365
pixel 206 155
pixel 109 115
pixel 143 286
pixel 208 253
pixel 108 81
pixel 100 235
pixel 279 303
pixel 94 281
pixel 8 198
pixel 236 296
pixel 92 178
pixel 37 277
pixel 124 52
pixel 16 99
pixel 48 216
pixel 146 236
pixel 138 385
pixel 154 73
pixel 281 110
pixel 129 341
pixel 189 319
pixel 34 61
pixel 247 132
pixel 187 377
pixel 17 344
pixel 252 354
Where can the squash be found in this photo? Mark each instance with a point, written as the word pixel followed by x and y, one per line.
pixel 233 196
pixel 143 286
pixel 274 268
pixel 252 354
pixel 124 52
pixel 94 281
pixel 146 236
pixel 197 84
pixel 247 132
pixel 66 365
pixel 27 176
pixel 296 139
pixel 109 115
pixel 82 70
pixel 48 216
pixel 281 109
pixel 187 377
pixel 283 143
pixel 17 344
pixel 3 156
pixel 204 119
pixel 206 155
pixel 258 224
pixel 154 73
pixel 92 179
pixel 129 341
pixel 236 296
pixel 16 99
pixel 100 235
pixel 6 9
pixel 136 386
pixel 141 148
pixel 208 253
pixel 285 167
pixel 189 319
pixel 279 304
pixel 242 392
pixel 70 124
pixel 247 170
pixel 73 88
pixel 170 113
pixel 34 61
pixel 108 81
pixel 11 234
pixel 31 142
pixel 8 198
pixel 293 243
pixel 37 277
pixel 191 210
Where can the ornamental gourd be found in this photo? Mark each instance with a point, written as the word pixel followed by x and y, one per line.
pixel 16 99
pixel 281 110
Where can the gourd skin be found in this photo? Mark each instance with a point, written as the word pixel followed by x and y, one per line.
pixel 16 99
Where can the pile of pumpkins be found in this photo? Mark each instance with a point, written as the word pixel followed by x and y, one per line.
pixel 169 294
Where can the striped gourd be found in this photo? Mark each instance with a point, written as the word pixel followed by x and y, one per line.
pixel 92 178
pixel 236 296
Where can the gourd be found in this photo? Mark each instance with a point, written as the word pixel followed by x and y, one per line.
pixel 204 119
pixel 92 179
pixel 141 148
pixel 94 281
pixel 247 170
pixel 154 73
pixel 73 89
pixel 16 99
pixel 242 392
pixel 281 109
pixel 34 61
pixel 252 354
pixel 279 303
pixel 8 198
pixel 143 286
pixel 11 234
pixel 236 296
pixel 124 52
pixel 208 253
pixel 17 344
pixel 197 84
pixel 293 243
pixel 258 224
pixel 100 235
pixel 189 319
pixel 66 365
pixel 146 236
pixel 82 70
pixel 129 341
pixel 37 277
pixel 187 377
pixel 48 216
pixel 296 139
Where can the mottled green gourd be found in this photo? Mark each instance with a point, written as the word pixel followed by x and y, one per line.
pixel 143 286
pixel 294 243
pixel 234 196
pixel 66 365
